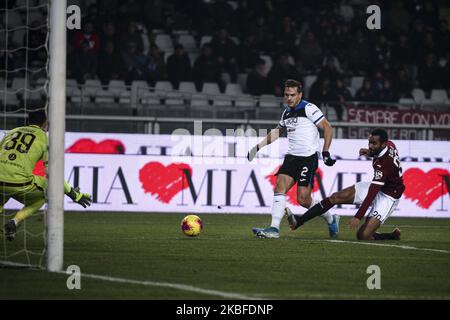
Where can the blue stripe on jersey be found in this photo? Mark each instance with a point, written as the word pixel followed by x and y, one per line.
pixel 318 119
pixel 301 105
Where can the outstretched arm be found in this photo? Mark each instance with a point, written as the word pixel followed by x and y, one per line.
pixel 327 137
pixel 273 135
pixel 327 134
pixel 83 199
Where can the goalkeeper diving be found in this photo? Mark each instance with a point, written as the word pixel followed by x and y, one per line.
pixel 20 150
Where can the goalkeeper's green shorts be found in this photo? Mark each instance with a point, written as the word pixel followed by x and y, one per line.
pixel 25 193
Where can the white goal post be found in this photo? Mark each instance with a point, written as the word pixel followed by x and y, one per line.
pixel 56 117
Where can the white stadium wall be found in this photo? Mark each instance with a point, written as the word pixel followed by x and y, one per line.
pixel 204 174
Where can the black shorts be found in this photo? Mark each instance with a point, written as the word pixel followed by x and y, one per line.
pixel 301 169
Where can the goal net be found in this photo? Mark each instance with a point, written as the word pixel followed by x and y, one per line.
pixel 24 86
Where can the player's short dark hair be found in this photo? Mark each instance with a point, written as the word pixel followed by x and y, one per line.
pixel 259 62
pixel 37 117
pixel 291 83
pixel 380 133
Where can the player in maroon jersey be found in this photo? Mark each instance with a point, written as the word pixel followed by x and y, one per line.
pixel 383 192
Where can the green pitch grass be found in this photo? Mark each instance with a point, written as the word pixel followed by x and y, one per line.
pixel 228 259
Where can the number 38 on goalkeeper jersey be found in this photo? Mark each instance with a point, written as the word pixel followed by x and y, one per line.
pixel 302 133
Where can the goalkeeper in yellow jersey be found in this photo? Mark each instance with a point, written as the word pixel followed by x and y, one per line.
pixel 20 150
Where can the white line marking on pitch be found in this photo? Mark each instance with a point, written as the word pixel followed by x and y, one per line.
pixel 184 287
pixel 386 245
pixel 177 286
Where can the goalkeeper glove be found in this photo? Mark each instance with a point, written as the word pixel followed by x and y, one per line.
pixel 83 199
pixel 252 153
pixel 327 159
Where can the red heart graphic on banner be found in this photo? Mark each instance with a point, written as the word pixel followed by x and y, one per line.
pixel 39 169
pixel 164 181
pixel 292 193
pixel 425 188
pixel 108 146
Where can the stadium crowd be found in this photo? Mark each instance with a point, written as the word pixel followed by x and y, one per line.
pixel 270 40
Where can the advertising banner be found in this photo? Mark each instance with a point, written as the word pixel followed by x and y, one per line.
pixel 383 116
pixel 123 179
pixel 187 185
pixel 236 146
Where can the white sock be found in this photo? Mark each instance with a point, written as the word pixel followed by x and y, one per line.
pixel 327 216
pixel 15 221
pixel 279 204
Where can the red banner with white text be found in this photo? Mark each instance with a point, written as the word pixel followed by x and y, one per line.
pixel 383 116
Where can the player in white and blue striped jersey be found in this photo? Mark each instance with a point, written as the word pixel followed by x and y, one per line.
pixel 301 120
